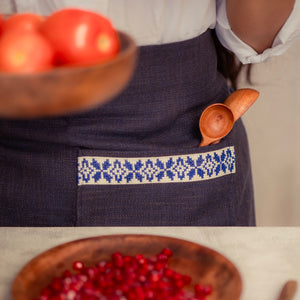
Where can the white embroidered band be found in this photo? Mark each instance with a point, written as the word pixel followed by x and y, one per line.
pixel 95 170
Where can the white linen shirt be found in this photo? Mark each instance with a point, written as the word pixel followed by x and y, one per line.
pixel 166 21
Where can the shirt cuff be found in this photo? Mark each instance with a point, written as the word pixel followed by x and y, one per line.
pixel 289 32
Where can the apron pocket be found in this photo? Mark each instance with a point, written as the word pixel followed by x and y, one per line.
pixel 182 187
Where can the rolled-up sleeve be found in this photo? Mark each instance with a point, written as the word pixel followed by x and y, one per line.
pixel 289 32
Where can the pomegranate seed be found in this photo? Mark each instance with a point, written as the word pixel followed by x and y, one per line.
pixel 67 273
pixel 167 252
pixel 162 257
pixel 168 272
pixel 124 278
pixel 78 265
pixel 207 289
pixel 186 279
pixel 155 277
pixel 149 294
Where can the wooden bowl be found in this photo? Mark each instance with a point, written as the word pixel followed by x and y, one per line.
pixel 65 89
pixel 204 265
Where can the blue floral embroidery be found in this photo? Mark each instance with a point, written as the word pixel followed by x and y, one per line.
pixel 85 170
pixel 164 169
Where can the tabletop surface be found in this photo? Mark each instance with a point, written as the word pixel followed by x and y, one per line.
pixel 266 256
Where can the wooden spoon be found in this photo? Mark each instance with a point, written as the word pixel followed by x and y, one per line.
pixel 288 291
pixel 217 119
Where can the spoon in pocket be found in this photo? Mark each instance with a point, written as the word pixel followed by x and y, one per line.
pixel 217 119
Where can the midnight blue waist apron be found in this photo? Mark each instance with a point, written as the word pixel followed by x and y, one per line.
pixel 134 161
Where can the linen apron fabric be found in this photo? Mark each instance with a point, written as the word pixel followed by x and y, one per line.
pixel 134 161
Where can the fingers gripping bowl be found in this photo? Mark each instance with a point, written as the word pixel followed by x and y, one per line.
pixel 202 264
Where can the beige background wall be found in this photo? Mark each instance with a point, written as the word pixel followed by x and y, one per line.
pixel 273 126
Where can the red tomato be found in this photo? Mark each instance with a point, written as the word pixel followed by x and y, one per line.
pixel 22 22
pixel 25 53
pixel 1 21
pixel 81 37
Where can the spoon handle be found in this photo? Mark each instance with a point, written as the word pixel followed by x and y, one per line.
pixel 240 101
pixel 288 291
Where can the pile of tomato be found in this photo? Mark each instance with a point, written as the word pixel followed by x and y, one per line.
pixel 32 43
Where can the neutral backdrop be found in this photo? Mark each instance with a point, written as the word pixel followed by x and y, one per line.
pixel 273 126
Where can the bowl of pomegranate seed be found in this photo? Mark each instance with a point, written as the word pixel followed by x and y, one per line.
pixel 128 267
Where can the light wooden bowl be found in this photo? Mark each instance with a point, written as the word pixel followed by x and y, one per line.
pixel 204 265
pixel 65 89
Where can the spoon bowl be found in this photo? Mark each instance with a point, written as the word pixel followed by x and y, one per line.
pixel 216 122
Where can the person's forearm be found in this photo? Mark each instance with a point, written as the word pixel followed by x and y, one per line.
pixel 256 22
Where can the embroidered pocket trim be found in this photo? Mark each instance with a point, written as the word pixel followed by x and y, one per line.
pixel 98 170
